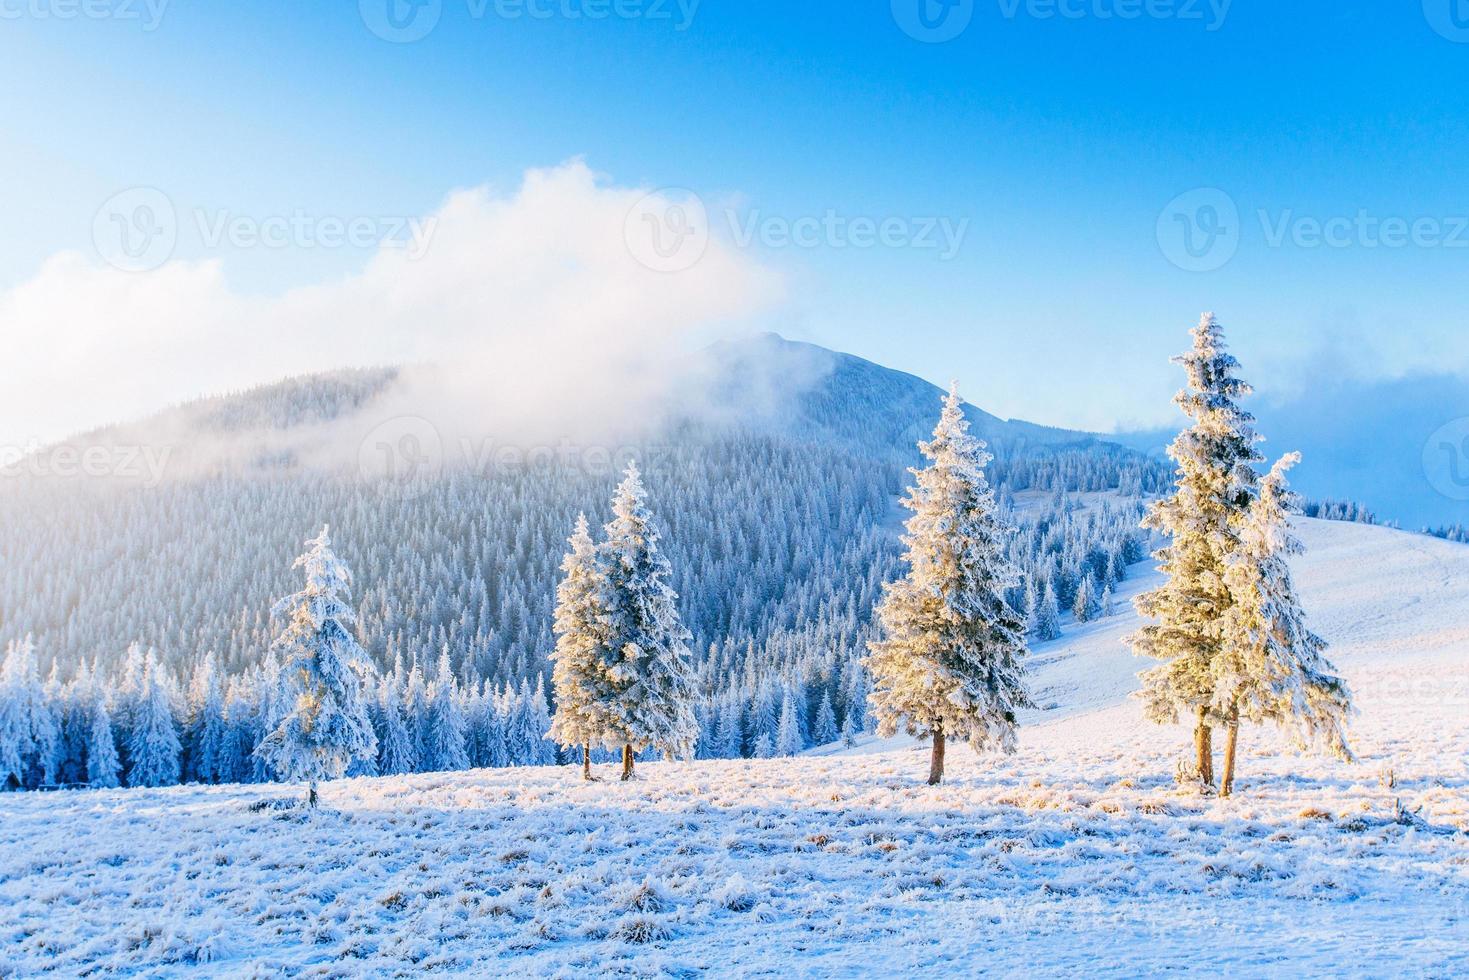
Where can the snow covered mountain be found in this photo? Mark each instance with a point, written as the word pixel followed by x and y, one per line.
pixel 1078 850
pixel 773 472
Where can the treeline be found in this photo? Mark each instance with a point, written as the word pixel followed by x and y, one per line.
pixel 191 720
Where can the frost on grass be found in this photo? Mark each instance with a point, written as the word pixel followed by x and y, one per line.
pixel 1079 849
pixel 730 866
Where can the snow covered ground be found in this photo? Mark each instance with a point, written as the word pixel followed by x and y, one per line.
pixel 1076 854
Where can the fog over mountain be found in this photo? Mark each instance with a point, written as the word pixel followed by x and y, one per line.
pixel 773 467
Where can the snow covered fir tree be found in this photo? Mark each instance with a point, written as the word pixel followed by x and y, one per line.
pixel 30 739
pixel 949 659
pixel 323 673
pixel 1202 521
pixel 582 676
pixel 1226 622
pixel 649 701
pixel 1273 667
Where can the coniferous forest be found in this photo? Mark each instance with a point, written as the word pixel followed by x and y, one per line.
pixel 780 538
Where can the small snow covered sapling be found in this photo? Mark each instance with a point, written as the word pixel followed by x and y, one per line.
pixel 582 676
pixel 324 668
pixel 1271 667
pixel 948 662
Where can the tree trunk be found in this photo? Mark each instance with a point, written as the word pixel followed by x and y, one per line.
pixel 311 795
pixel 1226 785
pixel 586 760
pixel 936 760
pixel 626 763
pixel 1204 747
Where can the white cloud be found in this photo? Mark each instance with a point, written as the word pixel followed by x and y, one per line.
pixel 532 301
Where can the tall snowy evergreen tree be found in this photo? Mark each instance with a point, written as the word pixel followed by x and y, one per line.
pixel 824 731
pixel 1216 483
pixel 646 643
pixel 728 736
pixel 397 746
pixel 1048 615
pixel 324 669
pixel 415 715
pixel 949 660
pixel 581 677
pixel 30 736
pixel 1272 667
pixel 153 744
pixel 126 695
pixel 1085 607
pixel 103 766
pixel 788 733
pixel 538 715
pixel 446 726
pixel 206 735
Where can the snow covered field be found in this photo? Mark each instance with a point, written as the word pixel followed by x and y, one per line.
pixel 1078 853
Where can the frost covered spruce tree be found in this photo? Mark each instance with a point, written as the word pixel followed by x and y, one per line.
pixel 651 701
pixel 1203 519
pixel 1272 667
pixel 205 733
pixel 153 743
pixel 29 733
pixel 446 739
pixel 103 767
pixel 581 676
pixel 948 660
pixel 324 669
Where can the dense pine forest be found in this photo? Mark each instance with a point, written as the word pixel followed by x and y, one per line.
pixel 780 528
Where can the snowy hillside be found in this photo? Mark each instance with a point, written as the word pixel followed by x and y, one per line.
pixel 1076 851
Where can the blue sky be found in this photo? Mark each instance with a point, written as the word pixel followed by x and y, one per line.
pixel 1059 140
